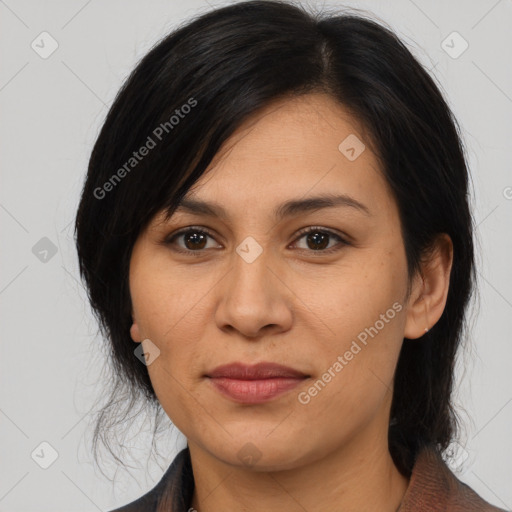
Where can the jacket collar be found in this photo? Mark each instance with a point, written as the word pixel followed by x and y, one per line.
pixel 434 487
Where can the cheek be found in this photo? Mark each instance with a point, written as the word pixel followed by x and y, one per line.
pixel 361 310
pixel 353 295
pixel 169 314
pixel 357 374
pixel 162 299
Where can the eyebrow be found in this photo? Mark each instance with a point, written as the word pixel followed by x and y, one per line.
pixel 288 209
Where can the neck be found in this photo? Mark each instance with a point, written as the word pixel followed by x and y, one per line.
pixel 359 477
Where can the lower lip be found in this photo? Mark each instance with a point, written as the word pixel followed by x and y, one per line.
pixel 254 391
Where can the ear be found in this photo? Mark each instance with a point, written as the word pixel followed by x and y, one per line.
pixel 430 289
pixel 135 332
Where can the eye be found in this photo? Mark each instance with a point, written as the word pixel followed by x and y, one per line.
pixel 194 239
pixel 317 239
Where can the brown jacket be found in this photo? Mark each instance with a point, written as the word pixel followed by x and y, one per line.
pixel 432 488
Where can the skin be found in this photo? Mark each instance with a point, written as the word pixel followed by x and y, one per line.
pixel 293 305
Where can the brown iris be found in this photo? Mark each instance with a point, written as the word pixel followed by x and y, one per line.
pixel 320 240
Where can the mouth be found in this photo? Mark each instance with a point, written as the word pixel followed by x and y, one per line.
pixel 253 384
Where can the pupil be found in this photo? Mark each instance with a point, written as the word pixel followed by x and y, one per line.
pixel 196 239
pixel 317 239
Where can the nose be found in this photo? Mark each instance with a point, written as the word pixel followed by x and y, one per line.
pixel 254 297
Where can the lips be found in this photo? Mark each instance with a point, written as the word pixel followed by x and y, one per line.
pixel 256 383
pixel 258 371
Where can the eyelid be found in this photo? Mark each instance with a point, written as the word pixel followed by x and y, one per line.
pixel 182 231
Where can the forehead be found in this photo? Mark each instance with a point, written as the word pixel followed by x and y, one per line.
pixel 300 128
pixel 294 148
pixel 285 161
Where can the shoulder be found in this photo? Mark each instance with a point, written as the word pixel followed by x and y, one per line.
pixel 175 485
pixel 433 486
pixel 146 503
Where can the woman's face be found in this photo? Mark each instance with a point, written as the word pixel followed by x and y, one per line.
pixel 255 288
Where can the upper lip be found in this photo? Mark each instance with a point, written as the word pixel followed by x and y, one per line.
pixel 262 370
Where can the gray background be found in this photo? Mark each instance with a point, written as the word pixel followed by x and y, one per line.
pixel 51 112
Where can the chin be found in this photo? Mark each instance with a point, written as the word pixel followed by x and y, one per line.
pixel 261 454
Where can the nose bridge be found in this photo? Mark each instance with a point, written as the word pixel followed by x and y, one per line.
pixel 250 268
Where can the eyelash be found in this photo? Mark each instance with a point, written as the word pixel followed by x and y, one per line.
pixel 313 229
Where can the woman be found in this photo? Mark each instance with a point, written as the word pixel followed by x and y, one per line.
pixel 276 238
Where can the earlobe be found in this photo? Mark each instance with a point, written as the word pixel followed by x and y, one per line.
pixel 417 322
pixel 134 332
